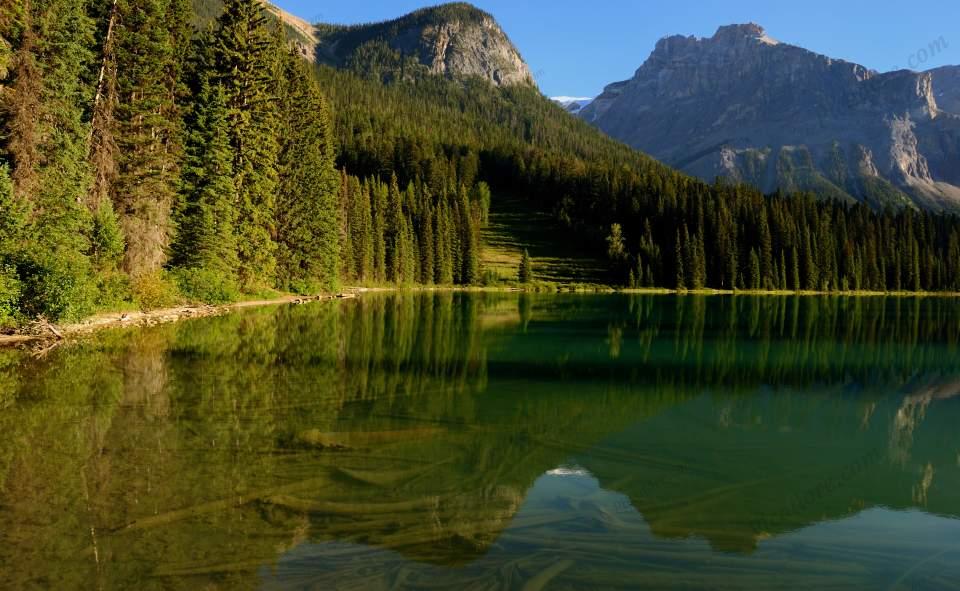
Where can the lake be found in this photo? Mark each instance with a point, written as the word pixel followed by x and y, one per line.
pixel 493 441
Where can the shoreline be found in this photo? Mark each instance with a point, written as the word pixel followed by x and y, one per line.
pixel 52 334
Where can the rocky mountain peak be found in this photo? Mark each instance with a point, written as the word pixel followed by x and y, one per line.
pixel 749 31
pixel 744 105
pixel 455 40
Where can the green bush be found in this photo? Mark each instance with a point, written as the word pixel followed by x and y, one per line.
pixel 9 296
pixel 153 292
pixel 306 287
pixel 113 290
pixel 207 286
pixel 106 238
pixel 57 286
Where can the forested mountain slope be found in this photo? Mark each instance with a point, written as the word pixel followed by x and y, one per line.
pixel 656 226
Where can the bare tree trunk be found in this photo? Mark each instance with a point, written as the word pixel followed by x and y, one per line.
pixel 106 57
pixel 100 140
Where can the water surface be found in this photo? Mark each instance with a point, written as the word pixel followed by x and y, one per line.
pixel 493 441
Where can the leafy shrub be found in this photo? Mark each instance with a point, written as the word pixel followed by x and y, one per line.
pixel 9 296
pixel 113 290
pixel 56 285
pixel 207 286
pixel 106 238
pixel 306 287
pixel 153 292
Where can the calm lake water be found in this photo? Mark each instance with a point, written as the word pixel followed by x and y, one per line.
pixel 493 441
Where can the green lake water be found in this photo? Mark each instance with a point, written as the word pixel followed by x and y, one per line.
pixel 493 441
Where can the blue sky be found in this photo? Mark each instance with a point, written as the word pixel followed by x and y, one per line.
pixel 577 47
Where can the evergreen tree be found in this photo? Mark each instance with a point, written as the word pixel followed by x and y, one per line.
pixel 46 132
pixel 756 275
pixel 681 277
pixel 13 228
pixel 915 270
pixel 470 241
pixel 442 233
pixel 307 200
pixel 147 57
pixel 395 233
pixel 362 227
pixel 699 255
pixel 107 243
pixel 783 272
pixel 13 222
pixel 246 59
pixel 347 267
pixel 427 249
pixel 525 273
pixel 206 213
pixel 812 281
pixel 378 209
pixel 768 277
pixel 795 283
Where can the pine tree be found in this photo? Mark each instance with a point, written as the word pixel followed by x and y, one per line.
pixel 107 244
pixel 795 275
pixel 394 234
pixel 768 277
pixel 783 272
pixel 482 199
pixel 14 218
pixel 443 233
pixel 411 251
pixel 812 281
pixel 525 273
pixel 147 61
pixel 699 263
pixel 362 229
pixel 13 228
pixel 953 260
pixel 206 213
pixel 246 61
pixel 756 275
pixel 616 250
pixel 347 264
pixel 378 208
pixel 307 200
pixel 411 254
pixel 22 93
pixel 470 242
pixel 681 277
pixel 46 133
pixel 428 253
pixel 915 267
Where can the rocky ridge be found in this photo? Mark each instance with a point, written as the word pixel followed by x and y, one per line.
pixel 741 104
pixel 453 40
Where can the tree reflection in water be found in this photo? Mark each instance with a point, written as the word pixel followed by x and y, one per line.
pixel 492 441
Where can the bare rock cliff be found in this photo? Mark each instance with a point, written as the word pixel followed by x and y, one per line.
pixel 743 105
pixel 452 40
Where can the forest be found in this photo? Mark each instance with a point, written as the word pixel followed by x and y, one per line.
pixel 144 162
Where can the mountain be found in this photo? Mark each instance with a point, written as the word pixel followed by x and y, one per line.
pixel 572 105
pixel 459 141
pixel 454 40
pixel 946 84
pixel 741 104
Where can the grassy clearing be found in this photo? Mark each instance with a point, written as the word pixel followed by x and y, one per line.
pixel 557 256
